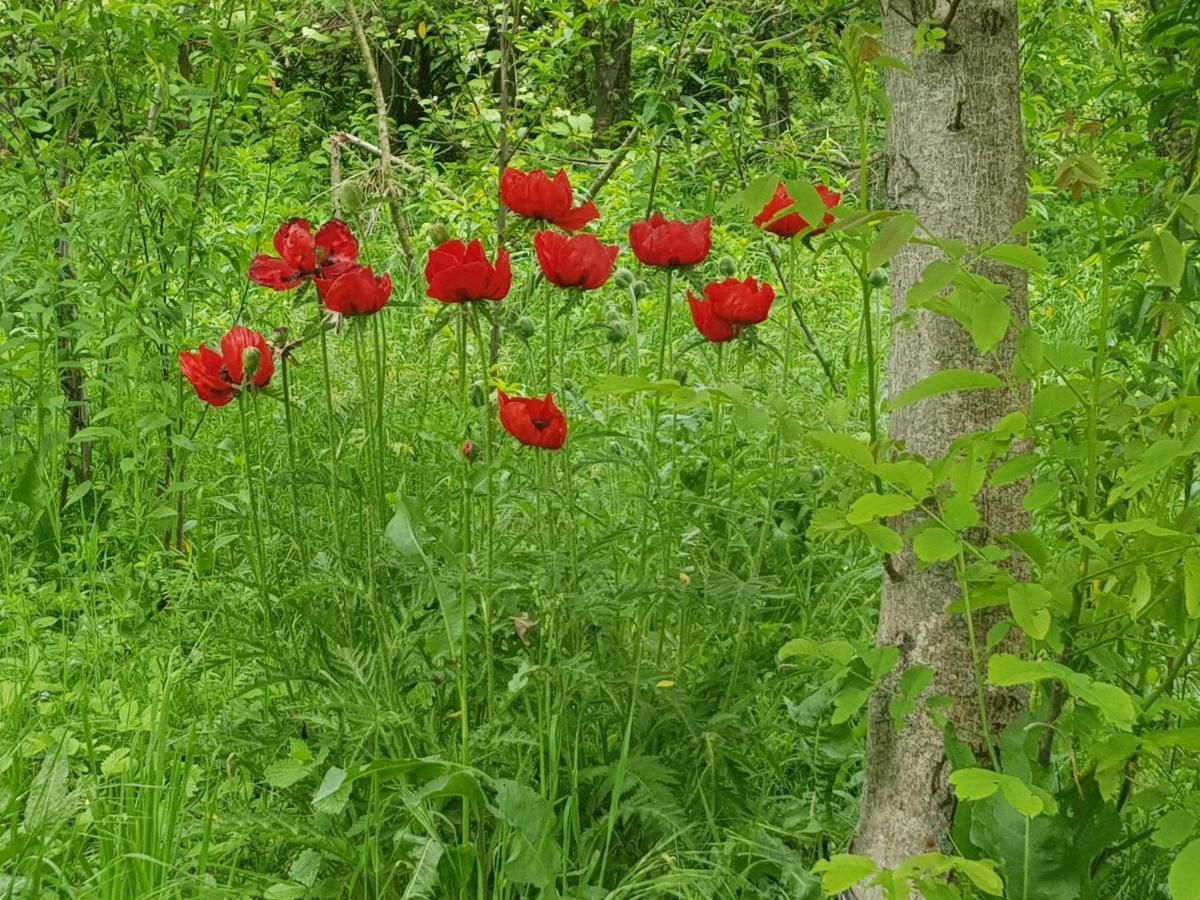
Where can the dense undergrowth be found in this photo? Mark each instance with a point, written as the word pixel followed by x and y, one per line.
pixel 222 675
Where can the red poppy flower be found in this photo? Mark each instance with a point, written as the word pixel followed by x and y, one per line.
pixel 303 255
pixel 660 242
pixel 743 302
pixel 708 323
pixel 580 261
pixel 534 422
pixel 793 223
pixel 245 361
pixel 535 195
pixel 459 272
pixel 355 291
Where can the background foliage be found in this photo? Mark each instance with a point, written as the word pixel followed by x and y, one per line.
pixel 684 720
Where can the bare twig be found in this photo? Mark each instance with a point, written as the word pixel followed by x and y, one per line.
pixel 346 137
pixel 385 145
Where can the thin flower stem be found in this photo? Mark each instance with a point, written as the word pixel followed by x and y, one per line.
pixel 331 423
pixel 464 571
pixel 380 419
pixel 259 558
pixel 364 388
pixel 485 423
pixel 294 487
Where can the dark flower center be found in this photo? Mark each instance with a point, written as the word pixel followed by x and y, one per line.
pixel 540 424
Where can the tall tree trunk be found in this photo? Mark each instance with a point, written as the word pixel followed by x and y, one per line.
pixel 955 158
pixel 611 54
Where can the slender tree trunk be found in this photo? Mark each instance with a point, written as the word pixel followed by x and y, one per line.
pixel 611 55
pixel 956 158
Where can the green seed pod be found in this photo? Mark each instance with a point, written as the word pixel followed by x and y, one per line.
pixel 250 362
pixel 478 397
pixel 438 233
pixel 640 289
pixel 877 278
pixel 816 474
pixel 617 331
pixel 727 266
pixel 612 315
pixel 569 385
pixel 524 328
pixel 352 197
pixel 680 375
pixel 622 277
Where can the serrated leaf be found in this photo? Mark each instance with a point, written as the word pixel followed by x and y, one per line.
pixel 845 446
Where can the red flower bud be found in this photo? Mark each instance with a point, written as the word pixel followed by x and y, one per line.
pixel 793 223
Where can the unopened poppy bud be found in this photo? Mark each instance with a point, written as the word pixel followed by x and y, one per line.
pixel 251 358
pixel 612 315
pixel 640 289
pixel 622 277
pixel 815 474
pixel 877 278
pixel 617 332
pixel 524 328
pixel 478 397
pixel 680 375
pixel 468 451
pixel 727 266
pixel 439 234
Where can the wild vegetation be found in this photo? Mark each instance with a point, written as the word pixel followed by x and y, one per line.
pixel 385 515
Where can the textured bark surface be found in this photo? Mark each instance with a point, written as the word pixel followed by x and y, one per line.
pixel 611 56
pixel 956 158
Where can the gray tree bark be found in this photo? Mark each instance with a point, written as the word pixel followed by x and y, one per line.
pixel 956 158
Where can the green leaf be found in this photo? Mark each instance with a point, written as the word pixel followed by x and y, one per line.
pixel 286 772
pixel 331 797
pixel 842 871
pixel 947 381
pixel 934 279
pixel 1174 828
pixel 1191 583
pixel 306 868
pixel 1030 608
pixel 935 545
pixel 848 701
pixel 49 804
pixel 881 537
pixel 1166 258
pixel 845 446
pixel 978 784
pixel 1018 256
pixel 1184 877
pixel 400 531
pixel 892 236
pixel 537 857
pixel 913 682
pixel 872 506
pixel 1013 469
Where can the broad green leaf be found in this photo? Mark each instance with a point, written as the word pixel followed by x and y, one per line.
pixel 1191 583
pixel 846 446
pixel 873 506
pixel 286 772
pixel 978 784
pixel 1030 608
pixel 49 803
pixel 935 278
pixel 1014 469
pixel 1174 828
pixel 909 475
pixel 1166 258
pixel 848 701
pixel 1018 256
pixel 892 236
pixel 913 682
pixel 947 381
pixel 842 871
pixel 334 792
pixel 935 545
pixel 882 538
pixel 1184 877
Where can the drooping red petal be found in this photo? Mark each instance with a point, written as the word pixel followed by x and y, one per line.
pixel 743 302
pixel 203 370
pixel 577 218
pixel 708 323
pixel 234 345
pixel 274 273
pixel 336 243
pixel 356 292
pixel 295 245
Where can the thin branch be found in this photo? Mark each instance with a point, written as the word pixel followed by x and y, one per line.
pixel 346 137
pixel 385 145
